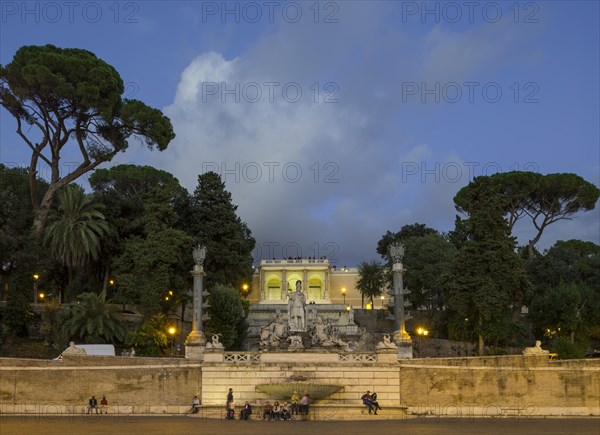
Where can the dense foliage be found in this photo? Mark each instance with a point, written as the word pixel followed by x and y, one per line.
pixel 68 97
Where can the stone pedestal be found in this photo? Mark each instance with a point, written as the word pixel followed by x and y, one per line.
pixel 214 356
pixel 387 356
pixel 405 349
pixel 195 345
pixel 194 352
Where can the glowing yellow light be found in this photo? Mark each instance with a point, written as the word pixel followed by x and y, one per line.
pixel 172 330
pixel 111 281
pixel 36 276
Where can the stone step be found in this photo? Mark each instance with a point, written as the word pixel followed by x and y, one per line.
pixel 316 411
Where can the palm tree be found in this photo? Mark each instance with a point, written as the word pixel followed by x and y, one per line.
pixel 74 229
pixel 371 280
pixel 94 321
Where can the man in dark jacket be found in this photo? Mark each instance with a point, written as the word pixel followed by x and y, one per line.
pixel 246 411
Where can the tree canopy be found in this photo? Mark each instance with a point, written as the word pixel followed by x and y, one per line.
pixel 75 228
pixel 372 279
pixel 71 97
pixel 227 316
pixel 428 260
pixel 147 255
pixel 411 230
pixel 544 198
pixel 488 277
pixel 228 240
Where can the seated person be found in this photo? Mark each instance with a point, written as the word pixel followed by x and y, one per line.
pixel 366 399
pixel 195 405
pixel 285 411
pixel 103 406
pixel 246 411
pixel 276 411
pixel 268 411
pixel 92 404
pixel 374 401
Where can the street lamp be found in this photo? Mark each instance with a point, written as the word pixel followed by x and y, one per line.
pixel 421 332
pixel 245 289
pixel 35 292
pixel 172 332
pixel 344 294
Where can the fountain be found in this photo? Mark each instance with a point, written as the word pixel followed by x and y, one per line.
pixel 300 384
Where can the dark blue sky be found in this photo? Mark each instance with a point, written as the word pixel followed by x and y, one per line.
pixel 401 103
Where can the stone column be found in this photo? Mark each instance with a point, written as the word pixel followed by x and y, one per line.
pixel 305 283
pixel 326 284
pixel 261 283
pixel 196 340
pixel 401 337
pixel 284 291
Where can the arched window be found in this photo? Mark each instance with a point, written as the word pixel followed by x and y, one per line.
pixel 273 290
pixel 316 290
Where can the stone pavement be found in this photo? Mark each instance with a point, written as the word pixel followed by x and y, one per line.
pixel 174 425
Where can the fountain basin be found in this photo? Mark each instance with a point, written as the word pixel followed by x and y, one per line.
pixel 284 390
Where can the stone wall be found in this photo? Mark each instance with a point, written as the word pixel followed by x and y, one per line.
pixel 124 381
pixel 532 385
pixel 446 386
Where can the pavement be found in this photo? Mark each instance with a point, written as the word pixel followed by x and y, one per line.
pixel 175 425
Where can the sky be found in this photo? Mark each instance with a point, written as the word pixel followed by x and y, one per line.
pixel 333 122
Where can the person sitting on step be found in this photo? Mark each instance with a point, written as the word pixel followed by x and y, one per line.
pixel 366 399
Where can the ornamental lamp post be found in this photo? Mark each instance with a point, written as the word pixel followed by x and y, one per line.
pixel 421 332
pixel 401 337
pixel 196 340
pixel 35 284
pixel 172 331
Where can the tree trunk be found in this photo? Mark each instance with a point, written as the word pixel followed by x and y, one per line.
pixel 43 211
pixel 533 241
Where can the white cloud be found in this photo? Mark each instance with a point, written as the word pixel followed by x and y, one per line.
pixel 355 141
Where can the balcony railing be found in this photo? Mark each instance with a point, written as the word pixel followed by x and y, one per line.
pixel 296 261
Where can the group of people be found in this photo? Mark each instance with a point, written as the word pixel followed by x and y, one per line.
pixel 93 405
pixel 296 406
pixel 276 411
pixel 370 400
